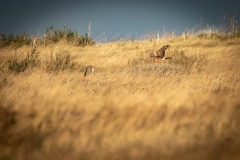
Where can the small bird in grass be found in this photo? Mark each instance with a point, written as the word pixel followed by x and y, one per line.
pixel 87 68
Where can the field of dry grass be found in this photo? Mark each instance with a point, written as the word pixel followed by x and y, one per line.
pixel 184 108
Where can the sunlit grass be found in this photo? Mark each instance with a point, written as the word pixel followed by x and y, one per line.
pixel 132 108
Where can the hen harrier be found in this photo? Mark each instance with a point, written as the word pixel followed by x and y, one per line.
pixel 160 54
pixel 89 67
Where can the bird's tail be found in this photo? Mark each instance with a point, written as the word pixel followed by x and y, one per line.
pixel 152 55
pixel 87 68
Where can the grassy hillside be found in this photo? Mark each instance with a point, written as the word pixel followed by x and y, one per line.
pixel 184 108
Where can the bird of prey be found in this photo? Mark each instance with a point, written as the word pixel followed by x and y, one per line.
pixel 160 54
pixel 87 68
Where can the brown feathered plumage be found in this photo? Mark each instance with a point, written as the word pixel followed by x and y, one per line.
pixel 161 52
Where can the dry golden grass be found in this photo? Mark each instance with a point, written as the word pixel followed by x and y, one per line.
pixel 184 108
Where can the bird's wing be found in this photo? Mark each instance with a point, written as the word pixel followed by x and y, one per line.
pixel 160 53
pixel 163 53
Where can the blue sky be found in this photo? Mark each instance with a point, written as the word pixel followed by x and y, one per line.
pixel 111 17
